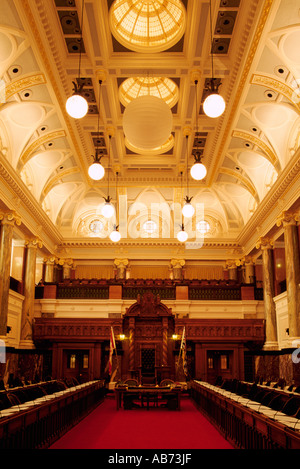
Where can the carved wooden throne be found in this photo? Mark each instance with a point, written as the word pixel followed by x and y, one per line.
pixel 149 326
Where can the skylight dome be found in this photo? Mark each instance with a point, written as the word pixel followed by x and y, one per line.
pixel 147 25
pixel 162 87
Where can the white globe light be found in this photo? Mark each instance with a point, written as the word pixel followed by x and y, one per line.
pixel 147 122
pixel 188 210
pixel 115 236
pixel 214 105
pixel 107 210
pixel 96 171
pixel 182 236
pixel 198 171
pixel 77 106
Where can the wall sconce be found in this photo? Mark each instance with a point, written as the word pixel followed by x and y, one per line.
pixel 122 336
pixel 175 336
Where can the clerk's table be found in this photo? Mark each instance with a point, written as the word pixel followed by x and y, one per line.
pixel 142 396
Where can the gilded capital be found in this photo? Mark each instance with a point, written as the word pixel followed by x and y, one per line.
pixel 265 243
pixel 119 262
pixel 177 263
pixel 288 218
pixel 247 260
pixel 10 216
pixel 232 263
pixel 33 243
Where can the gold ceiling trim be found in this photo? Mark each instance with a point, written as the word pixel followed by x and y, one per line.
pixel 22 84
pixel 246 69
pixel 53 181
pixel 289 176
pixel 28 153
pixel 18 188
pixel 276 85
pixel 248 184
pixel 271 156
pixel 49 68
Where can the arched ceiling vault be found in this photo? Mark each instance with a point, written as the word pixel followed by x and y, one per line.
pixel 248 151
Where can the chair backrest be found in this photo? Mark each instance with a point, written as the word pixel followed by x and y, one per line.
pixel 165 382
pixel 131 382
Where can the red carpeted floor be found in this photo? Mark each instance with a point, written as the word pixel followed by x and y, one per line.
pixel 107 428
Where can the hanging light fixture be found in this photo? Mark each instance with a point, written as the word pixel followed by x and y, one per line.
pixel 198 170
pixel 214 104
pixel 96 170
pixel 182 235
pixel 187 210
pixel 77 106
pixel 108 209
pixel 115 235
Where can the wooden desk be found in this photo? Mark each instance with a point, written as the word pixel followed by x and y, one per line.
pixel 146 394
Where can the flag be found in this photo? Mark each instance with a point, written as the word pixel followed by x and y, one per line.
pixel 183 352
pixel 112 347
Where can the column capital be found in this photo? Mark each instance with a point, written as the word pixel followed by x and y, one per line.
pixel 119 262
pixel 247 260
pixel 68 262
pixel 232 263
pixel 265 243
pixel 50 259
pixel 10 216
pixel 177 262
pixel 288 218
pixel 33 243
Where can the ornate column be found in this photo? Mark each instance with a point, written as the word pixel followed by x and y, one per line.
pixel 67 265
pixel 49 269
pixel 289 222
pixel 121 266
pixel 8 221
pixel 232 269
pixel 131 346
pixel 249 269
pixel 165 342
pixel 29 291
pixel 177 267
pixel 266 246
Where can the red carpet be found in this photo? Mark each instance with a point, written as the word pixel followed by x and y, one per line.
pixel 107 428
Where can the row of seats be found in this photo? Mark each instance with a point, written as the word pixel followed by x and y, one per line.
pixel 285 402
pixel 22 394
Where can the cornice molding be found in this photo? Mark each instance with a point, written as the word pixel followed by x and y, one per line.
pixel 289 176
pixel 19 190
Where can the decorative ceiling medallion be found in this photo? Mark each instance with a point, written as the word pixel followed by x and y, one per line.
pixel 161 87
pixel 147 25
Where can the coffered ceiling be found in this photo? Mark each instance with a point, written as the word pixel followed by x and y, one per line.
pixel 251 152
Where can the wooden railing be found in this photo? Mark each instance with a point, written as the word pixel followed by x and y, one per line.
pixel 42 423
pixel 211 290
pixel 246 426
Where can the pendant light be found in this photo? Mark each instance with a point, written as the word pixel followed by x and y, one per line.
pixel 182 235
pixel 187 210
pixel 115 235
pixel 96 170
pixel 214 105
pixel 108 209
pixel 77 106
pixel 198 170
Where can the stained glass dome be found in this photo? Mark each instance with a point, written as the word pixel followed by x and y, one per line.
pixel 162 87
pixel 147 25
